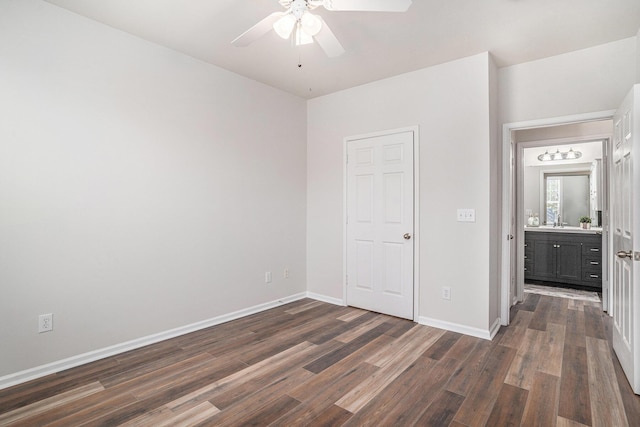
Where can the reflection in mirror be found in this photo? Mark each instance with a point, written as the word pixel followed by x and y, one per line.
pixel 552 202
pixel 566 198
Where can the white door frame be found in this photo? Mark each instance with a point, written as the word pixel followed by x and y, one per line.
pixel 416 210
pixel 520 219
pixel 508 204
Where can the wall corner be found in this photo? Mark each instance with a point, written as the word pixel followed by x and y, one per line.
pixel 638 57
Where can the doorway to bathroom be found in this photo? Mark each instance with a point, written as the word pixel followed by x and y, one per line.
pixel 561 211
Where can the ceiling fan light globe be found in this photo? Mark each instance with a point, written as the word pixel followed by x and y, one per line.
pixel 284 26
pixel 311 24
pixel 302 37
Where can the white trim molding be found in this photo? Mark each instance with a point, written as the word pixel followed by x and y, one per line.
pixel 416 210
pixel 92 356
pixel 328 300
pixel 508 211
pixel 486 334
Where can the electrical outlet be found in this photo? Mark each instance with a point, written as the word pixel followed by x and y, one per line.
pixel 446 293
pixel 45 323
pixel 286 273
pixel 267 277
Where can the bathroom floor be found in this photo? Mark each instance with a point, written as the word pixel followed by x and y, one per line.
pixel 574 294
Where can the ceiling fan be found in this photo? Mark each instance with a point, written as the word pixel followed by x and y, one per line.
pixel 298 21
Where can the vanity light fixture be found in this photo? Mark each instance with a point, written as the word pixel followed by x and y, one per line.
pixel 566 155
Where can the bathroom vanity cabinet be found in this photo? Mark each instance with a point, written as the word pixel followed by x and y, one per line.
pixel 564 258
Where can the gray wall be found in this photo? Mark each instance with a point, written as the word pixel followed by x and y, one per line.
pixel 452 105
pixel 584 81
pixel 140 190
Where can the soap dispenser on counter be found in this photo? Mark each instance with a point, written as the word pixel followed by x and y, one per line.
pixel 530 220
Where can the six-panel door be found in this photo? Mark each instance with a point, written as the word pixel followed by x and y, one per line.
pixel 380 224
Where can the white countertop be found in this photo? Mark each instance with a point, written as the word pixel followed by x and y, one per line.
pixel 565 229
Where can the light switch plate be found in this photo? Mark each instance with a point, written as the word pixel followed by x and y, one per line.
pixel 466 215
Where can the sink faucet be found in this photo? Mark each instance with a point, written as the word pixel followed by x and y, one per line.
pixel 558 222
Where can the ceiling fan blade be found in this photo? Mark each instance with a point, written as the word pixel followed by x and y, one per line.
pixel 367 5
pixel 328 41
pixel 257 31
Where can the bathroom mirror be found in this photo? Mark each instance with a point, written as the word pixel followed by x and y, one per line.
pixel 556 190
pixel 565 197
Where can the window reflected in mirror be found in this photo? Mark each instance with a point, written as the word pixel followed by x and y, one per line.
pixel 552 204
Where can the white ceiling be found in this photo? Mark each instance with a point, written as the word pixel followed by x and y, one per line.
pixel 378 45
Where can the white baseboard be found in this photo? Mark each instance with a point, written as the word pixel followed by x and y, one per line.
pixel 495 328
pixel 324 298
pixel 462 329
pixel 81 359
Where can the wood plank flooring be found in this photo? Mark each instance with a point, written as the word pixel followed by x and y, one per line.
pixel 313 364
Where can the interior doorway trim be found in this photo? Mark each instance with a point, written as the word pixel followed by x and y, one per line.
pixel 508 202
pixel 520 220
pixel 416 210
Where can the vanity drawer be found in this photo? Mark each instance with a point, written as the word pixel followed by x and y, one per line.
pixel 528 267
pixel 592 263
pixel 593 276
pixel 592 268
pixel 592 248
pixel 528 258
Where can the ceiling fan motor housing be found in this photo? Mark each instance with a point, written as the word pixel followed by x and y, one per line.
pixel 298 8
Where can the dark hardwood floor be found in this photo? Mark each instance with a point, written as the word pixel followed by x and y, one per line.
pixel 310 364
